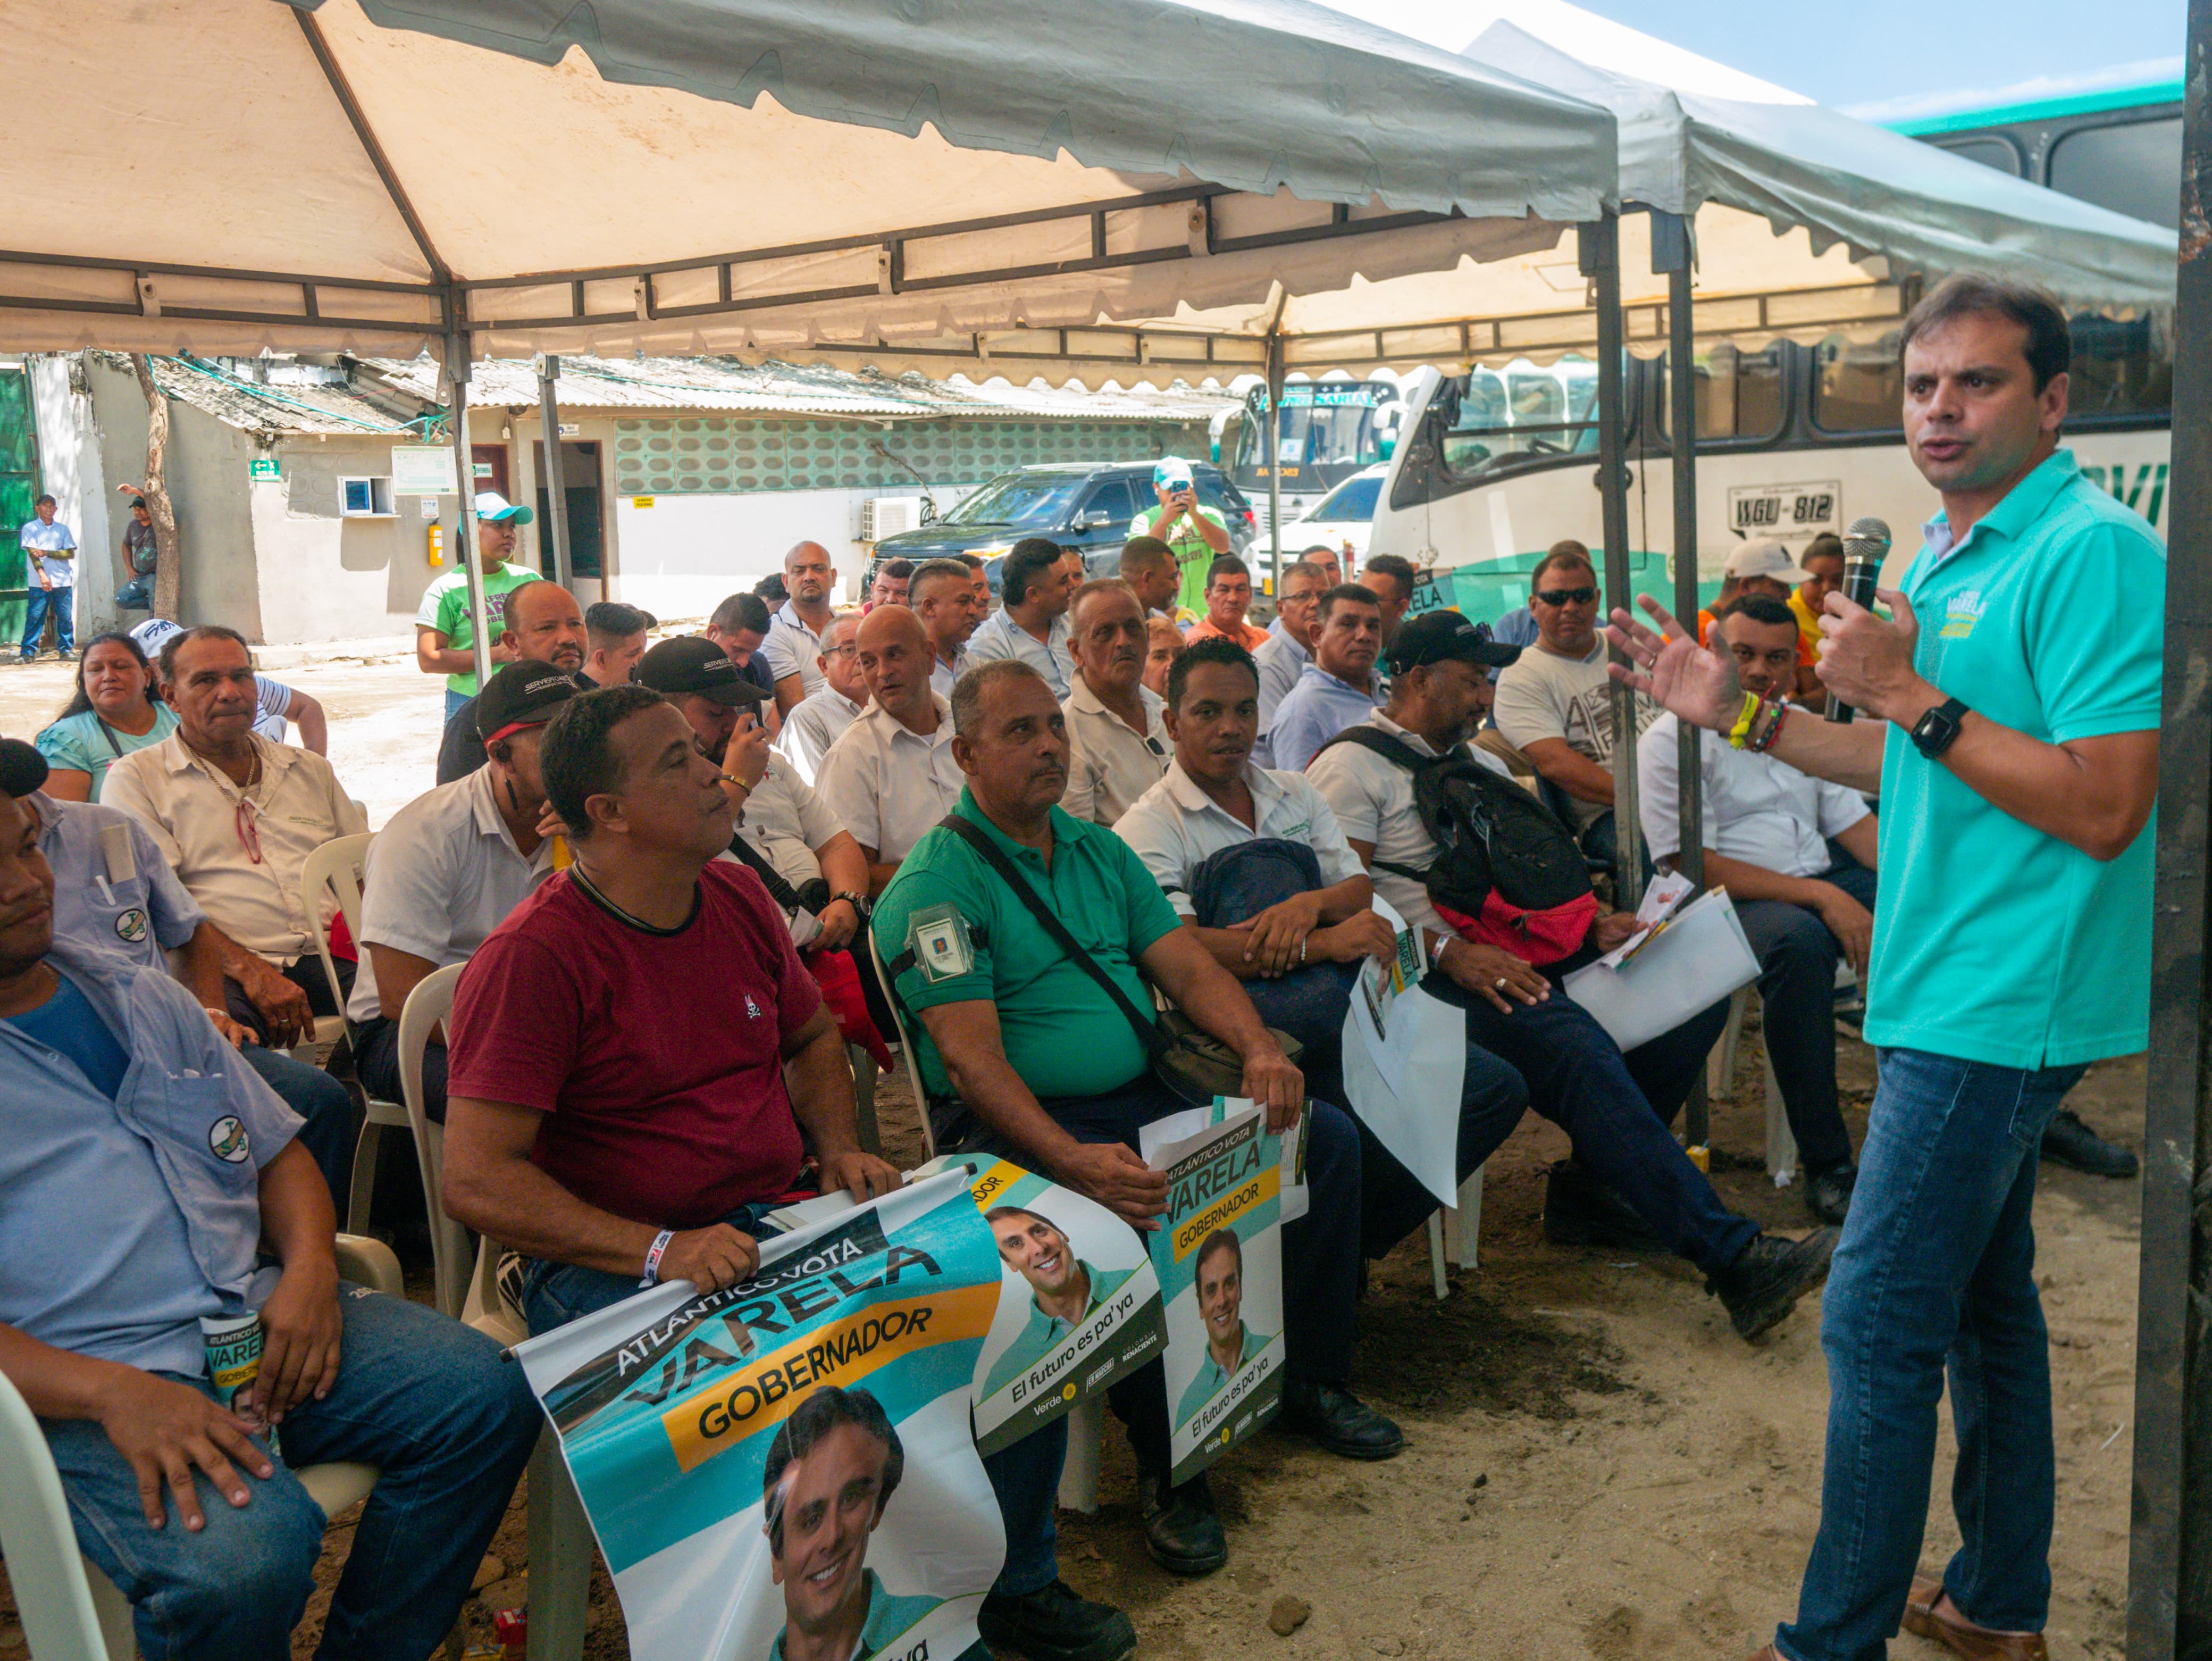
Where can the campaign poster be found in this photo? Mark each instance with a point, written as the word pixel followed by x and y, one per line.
pixel 1219 1253
pixel 1404 1063
pixel 784 1471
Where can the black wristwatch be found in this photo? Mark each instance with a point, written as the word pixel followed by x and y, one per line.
pixel 858 902
pixel 1933 732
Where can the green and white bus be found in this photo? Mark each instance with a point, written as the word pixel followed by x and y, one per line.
pixel 1495 466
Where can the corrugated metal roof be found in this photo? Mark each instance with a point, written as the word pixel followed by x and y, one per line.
pixel 775 388
pixel 238 401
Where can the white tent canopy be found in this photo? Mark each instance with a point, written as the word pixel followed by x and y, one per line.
pixel 684 176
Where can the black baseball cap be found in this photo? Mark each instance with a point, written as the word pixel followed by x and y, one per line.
pixel 692 663
pixel 1446 636
pixel 525 693
pixel 22 768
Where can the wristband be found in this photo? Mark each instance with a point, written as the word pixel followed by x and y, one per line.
pixel 1745 717
pixel 652 1275
pixel 1436 951
pixel 1763 740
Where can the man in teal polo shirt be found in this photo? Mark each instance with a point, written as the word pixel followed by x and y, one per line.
pixel 1065 1292
pixel 1043 1067
pixel 1229 1344
pixel 2015 707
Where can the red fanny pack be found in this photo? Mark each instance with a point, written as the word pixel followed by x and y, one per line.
pixel 1536 937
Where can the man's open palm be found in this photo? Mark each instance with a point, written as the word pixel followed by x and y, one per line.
pixel 1674 670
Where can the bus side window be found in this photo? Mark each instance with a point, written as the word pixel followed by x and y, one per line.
pixel 1859 387
pixel 1739 394
pixel 2119 368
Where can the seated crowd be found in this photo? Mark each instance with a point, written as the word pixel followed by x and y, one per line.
pixel 673 872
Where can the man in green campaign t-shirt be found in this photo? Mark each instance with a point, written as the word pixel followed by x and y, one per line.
pixel 445 633
pixel 1197 535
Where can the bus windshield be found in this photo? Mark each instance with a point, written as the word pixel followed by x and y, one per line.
pixel 1331 430
pixel 1491 417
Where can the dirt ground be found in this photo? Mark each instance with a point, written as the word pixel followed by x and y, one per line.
pixel 1598 1466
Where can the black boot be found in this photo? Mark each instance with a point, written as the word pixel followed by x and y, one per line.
pixel 1579 1209
pixel 2068 1141
pixel 1828 1191
pixel 1339 1420
pixel 1181 1529
pixel 1763 1284
pixel 1055 1625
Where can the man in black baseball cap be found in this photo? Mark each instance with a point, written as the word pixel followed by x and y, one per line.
pixel 22 768
pixel 525 693
pixel 1447 637
pixel 716 697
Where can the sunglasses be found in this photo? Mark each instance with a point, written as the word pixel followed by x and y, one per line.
pixel 1567 596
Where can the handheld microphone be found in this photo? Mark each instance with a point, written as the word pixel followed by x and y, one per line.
pixel 1866 545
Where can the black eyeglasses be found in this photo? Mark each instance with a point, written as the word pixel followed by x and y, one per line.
pixel 1567 596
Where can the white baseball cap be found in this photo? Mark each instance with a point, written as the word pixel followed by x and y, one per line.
pixel 497 508
pixel 1764 556
pixel 150 634
pixel 1171 472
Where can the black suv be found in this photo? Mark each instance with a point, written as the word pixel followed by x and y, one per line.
pixel 1086 507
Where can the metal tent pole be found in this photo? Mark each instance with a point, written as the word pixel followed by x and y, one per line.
pixel 457 379
pixel 1671 253
pixel 556 485
pixel 1599 243
pixel 1275 462
pixel 2170 1553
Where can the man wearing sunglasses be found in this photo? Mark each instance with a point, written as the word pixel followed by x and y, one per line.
pixel 1555 705
pixel 236 815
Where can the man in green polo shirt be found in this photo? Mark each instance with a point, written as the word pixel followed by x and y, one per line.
pixel 445 631
pixel 2010 718
pixel 1043 1067
pixel 1065 1292
pixel 1194 532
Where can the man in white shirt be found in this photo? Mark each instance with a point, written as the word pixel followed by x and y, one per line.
pixel 815 720
pixel 1629 1184
pixel 1555 705
pixel 942 594
pixel 49 579
pixel 1117 746
pixel 891 775
pixel 793 645
pixel 1032 625
pixel 448 869
pixel 1288 646
pixel 1767 834
pixel 236 816
pixel 1211 833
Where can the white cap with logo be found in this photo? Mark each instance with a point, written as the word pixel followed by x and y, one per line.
pixel 1764 556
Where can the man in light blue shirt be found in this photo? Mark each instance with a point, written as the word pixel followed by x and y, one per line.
pixel 1037 581
pixel 1288 646
pixel 50 578
pixel 2012 949
pixel 114 892
pixel 143 1174
pixel 1339 689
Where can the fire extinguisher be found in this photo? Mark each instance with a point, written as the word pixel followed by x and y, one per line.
pixel 437 543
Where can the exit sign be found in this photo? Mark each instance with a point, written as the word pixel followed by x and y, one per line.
pixel 260 468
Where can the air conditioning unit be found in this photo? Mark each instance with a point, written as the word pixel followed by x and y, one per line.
pixel 886 516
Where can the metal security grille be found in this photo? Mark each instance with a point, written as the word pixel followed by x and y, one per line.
pixel 19 487
pixel 720 454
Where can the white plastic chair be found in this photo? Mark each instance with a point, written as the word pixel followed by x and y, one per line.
pixel 1720 1079
pixel 336 867
pixel 1456 1230
pixel 71 1610
pixel 560 1534
pixel 906 1054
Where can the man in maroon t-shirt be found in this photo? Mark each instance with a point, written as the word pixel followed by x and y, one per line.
pixel 617 1103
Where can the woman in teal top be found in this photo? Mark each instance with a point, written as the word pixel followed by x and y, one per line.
pixel 114 712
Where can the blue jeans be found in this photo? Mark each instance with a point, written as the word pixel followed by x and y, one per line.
pixel 425 1400
pixel 455 701
pixel 36 604
pixel 135 595
pixel 554 1294
pixel 1937 1265
pixel 330 1131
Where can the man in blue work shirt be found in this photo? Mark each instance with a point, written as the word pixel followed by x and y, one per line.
pixel 114 892
pixel 142 1176
pixel 1339 688
pixel 2013 948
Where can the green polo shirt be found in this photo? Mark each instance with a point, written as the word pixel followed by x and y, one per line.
pixel 1213 1377
pixel 1190 549
pixel 889 1619
pixel 1061 1031
pixel 1046 1333
pixel 1993 941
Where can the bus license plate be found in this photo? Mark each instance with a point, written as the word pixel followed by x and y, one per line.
pixel 1785 509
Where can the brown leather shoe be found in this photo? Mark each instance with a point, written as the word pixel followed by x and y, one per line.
pixel 1929 1613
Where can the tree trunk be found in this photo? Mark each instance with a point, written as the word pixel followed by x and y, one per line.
pixel 168 573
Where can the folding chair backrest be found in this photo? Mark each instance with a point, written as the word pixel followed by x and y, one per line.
pixel 53 1599
pixel 906 1046
pixel 336 867
pixel 428 1004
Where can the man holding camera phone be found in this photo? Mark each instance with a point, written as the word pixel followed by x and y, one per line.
pixel 1197 534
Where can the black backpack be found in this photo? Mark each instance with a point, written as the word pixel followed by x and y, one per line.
pixel 1507 872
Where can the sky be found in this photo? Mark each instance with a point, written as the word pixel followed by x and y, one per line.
pixel 1897 49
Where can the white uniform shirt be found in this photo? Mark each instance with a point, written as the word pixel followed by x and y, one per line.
pixel 812 726
pixel 1373 800
pixel 1000 637
pixel 792 649
pixel 887 784
pixel 1109 763
pixel 439 878
pixel 1175 826
pixel 786 820
pixel 192 809
pixel 1757 809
